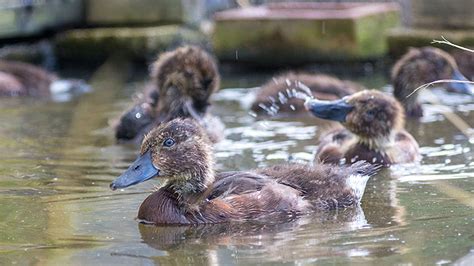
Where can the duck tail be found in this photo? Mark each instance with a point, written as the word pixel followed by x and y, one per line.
pixel 361 172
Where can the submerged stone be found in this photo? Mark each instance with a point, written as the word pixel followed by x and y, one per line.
pixel 304 32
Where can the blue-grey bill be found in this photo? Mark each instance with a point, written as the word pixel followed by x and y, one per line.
pixel 141 170
pixel 331 110
pixel 461 87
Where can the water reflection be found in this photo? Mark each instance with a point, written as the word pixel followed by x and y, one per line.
pixel 304 238
pixel 57 159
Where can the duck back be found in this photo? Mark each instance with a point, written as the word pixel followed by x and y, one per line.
pixel 262 194
pixel 34 80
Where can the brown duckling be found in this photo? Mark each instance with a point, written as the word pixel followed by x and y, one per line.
pixel 182 82
pixel 421 66
pixel 322 87
pixel 374 130
pixel 181 152
pixel 23 79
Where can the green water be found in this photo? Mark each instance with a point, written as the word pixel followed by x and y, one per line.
pixel 57 160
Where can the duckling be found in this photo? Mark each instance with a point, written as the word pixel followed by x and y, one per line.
pixel 180 151
pixel 182 82
pixel 322 87
pixel 421 66
pixel 374 130
pixel 22 79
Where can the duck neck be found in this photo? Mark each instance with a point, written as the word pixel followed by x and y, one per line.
pixel 192 190
pixel 180 107
pixel 379 144
pixel 404 91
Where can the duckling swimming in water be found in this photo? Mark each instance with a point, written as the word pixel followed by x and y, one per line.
pixel 182 82
pixel 374 130
pixel 322 87
pixel 181 152
pixel 421 66
pixel 22 79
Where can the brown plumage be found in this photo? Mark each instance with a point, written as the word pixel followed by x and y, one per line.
pixel 322 87
pixel 181 152
pixel 465 61
pixel 374 130
pixel 22 79
pixel 182 82
pixel 421 66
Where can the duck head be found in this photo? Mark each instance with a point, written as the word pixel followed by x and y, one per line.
pixel 421 66
pixel 371 115
pixel 178 151
pixel 185 78
pixel 134 121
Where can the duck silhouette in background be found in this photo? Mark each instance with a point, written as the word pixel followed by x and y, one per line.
pixel 420 66
pixel 373 130
pixel 182 82
pixel 181 152
pixel 22 79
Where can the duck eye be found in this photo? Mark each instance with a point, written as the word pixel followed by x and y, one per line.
pixel 168 142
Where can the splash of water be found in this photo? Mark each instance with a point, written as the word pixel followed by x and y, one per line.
pixel 295 90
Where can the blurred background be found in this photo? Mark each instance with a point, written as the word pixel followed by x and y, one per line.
pixel 258 33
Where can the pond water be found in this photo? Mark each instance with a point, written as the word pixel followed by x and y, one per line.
pixel 58 158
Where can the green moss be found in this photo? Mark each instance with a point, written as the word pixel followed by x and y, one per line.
pixel 301 40
pixel 372 32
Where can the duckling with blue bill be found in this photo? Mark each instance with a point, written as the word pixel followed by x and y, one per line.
pixel 420 66
pixel 373 130
pixel 181 152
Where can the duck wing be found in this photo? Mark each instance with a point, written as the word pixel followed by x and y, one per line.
pixel 333 146
pixel 236 183
pixel 325 186
pixel 254 196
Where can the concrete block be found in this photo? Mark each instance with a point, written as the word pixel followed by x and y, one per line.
pixel 141 43
pixel 454 14
pixel 128 12
pixel 282 33
pixel 400 39
pixel 25 18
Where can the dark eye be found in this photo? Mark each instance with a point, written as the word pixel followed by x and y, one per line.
pixel 168 142
pixel 371 114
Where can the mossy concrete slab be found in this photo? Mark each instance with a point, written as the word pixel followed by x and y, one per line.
pixel 27 18
pixel 137 43
pixel 401 39
pixel 128 12
pixel 303 32
pixel 458 14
